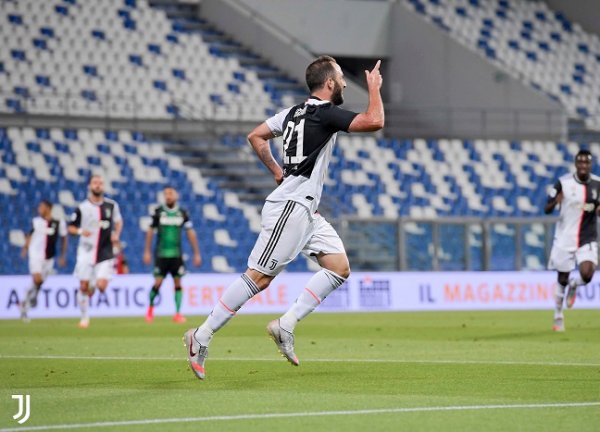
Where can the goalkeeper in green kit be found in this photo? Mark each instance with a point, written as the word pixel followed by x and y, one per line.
pixel 169 220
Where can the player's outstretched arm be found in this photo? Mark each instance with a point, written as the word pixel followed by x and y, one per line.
pixel 259 140
pixel 62 260
pixel 551 204
pixel 116 234
pixel 374 118
pixel 193 239
pixel 26 246
pixel 147 256
pixel 75 230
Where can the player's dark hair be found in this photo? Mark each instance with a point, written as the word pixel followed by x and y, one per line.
pixel 168 186
pixel 319 71
pixel 46 203
pixel 92 177
pixel 584 154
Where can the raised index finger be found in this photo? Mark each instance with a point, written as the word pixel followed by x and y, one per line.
pixel 377 66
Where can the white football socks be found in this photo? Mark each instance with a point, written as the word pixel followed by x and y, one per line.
pixel 84 303
pixel 236 294
pixel 30 297
pixel 318 287
pixel 559 297
pixel 576 282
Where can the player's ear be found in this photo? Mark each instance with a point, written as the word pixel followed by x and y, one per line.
pixel 330 83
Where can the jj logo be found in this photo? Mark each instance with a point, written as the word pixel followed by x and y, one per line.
pixel 24 408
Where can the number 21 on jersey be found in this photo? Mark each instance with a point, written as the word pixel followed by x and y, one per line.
pixel 293 140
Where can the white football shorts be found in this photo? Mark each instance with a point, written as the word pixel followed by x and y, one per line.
pixel 41 265
pixel 287 230
pixel 565 260
pixel 86 271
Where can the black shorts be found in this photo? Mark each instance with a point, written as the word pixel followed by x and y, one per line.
pixel 172 266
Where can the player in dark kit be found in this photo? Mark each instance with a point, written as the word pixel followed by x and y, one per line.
pixel 290 222
pixel 169 220
pixel 576 235
pixel 40 246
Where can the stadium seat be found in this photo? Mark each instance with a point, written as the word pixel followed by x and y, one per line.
pixel 527 39
pixel 55 164
pixel 120 51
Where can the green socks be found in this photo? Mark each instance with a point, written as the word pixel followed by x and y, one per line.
pixel 178 297
pixel 153 294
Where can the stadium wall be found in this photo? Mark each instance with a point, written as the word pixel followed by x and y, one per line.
pixel 364 292
pixel 431 80
pixel 358 29
pixel 427 68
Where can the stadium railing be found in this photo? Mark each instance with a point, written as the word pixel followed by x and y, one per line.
pixel 446 244
pixel 444 122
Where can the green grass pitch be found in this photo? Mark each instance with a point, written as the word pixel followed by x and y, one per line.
pixel 451 371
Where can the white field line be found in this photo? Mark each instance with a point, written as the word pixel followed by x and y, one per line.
pixel 268 416
pixel 307 360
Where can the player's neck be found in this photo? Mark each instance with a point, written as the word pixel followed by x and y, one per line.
pixel 172 206
pixel 321 95
pixel 96 199
pixel 582 179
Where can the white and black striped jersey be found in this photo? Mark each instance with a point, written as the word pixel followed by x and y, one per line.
pixel 309 132
pixel 99 219
pixel 44 235
pixel 577 225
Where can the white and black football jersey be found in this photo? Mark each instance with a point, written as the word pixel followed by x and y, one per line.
pixel 99 219
pixel 577 225
pixel 309 132
pixel 44 235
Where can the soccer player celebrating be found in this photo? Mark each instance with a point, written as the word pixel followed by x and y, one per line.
pixel 169 220
pixel 290 221
pixel 98 222
pixel 40 245
pixel 575 238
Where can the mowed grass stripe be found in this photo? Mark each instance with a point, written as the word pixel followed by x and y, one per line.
pixel 268 416
pixel 311 360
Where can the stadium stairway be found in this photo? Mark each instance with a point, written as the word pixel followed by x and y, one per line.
pixel 230 162
pixel 188 18
pixel 533 43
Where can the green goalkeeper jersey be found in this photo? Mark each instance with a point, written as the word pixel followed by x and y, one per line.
pixel 169 222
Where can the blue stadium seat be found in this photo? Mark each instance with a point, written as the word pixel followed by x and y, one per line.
pixel 42 80
pixel 61 10
pixel 15 19
pixel 154 48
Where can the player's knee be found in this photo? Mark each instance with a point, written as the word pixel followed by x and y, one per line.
pixel 101 285
pixel 37 279
pixel 587 276
pixel 261 280
pixel 563 279
pixel 344 271
pixel 342 268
